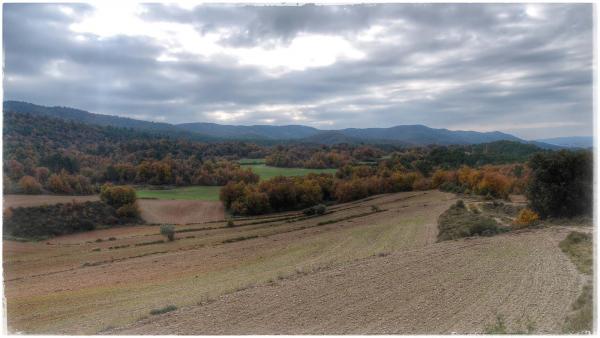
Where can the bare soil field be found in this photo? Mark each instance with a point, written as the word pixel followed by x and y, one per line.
pixel 35 200
pixel 78 284
pixel 352 270
pixel 153 211
pixel 456 286
pixel 180 211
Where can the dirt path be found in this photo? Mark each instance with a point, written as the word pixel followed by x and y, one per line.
pixel 180 211
pixel 455 286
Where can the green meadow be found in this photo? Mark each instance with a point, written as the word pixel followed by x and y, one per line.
pixel 208 193
pixel 266 172
pixel 204 193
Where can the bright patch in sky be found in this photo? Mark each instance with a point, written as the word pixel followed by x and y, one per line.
pixel 304 51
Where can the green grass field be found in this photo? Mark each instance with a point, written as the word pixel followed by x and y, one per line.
pixel 266 172
pixel 247 161
pixel 203 193
pixel 206 193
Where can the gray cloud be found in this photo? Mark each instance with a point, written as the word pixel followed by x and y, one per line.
pixel 479 67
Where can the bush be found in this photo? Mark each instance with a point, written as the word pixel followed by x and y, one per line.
pixel 526 217
pixel 231 192
pixel 422 184
pixel 65 183
pixel 168 230
pixel 130 210
pixel 230 223
pixel 117 196
pixel 561 184
pixel 30 185
pixel 318 209
pixel 452 187
pixel 457 222
pixel 165 309
pixel 494 184
pixel 60 219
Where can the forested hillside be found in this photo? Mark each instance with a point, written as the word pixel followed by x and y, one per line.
pixel 403 135
pixel 44 154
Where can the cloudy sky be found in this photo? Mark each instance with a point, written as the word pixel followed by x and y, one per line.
pixel 522 69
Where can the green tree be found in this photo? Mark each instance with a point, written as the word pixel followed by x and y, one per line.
pixel 117 196
pixel 561 183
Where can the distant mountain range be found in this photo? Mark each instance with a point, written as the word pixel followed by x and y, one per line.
pixel 401 135
pixel 571 142
pixel 86 117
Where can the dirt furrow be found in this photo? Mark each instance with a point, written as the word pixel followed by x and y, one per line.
pixel 458 286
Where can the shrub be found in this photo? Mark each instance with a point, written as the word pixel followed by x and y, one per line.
pixel 231 192
pixel 7 185
pixel 442 176
pixel 494 184
pixel 452 187
pixel 42 174
pixel 165 309
pixel 65 183
pixel 30 185
pixel 60 219
pixel 375 208
pixel 230 223
pixel 309 211
pixel 422 183
pixel 168 230
pixel 526 217
pixel 318 209
pixel 57 185
pixel 457 222
pixel 130 210
pixel 499 327
pixel 117 196
pixel 7 213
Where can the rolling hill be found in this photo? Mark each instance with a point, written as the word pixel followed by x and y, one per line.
pixel 82 116
pixel 400 135
pixel 250 132
pixel 571 142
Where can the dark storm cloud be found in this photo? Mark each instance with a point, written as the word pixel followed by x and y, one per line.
pixel 482 67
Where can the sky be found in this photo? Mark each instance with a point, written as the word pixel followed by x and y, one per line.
pixel 524 69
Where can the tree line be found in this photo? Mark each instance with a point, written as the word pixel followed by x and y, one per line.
pixel 557 184
pixel 47 155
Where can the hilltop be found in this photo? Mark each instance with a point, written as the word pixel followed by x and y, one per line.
pixel 408 135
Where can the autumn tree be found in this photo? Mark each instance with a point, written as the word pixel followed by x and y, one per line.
pixel 30 185
pixel 42 174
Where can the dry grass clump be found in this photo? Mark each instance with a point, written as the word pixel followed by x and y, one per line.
pixel 458 222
